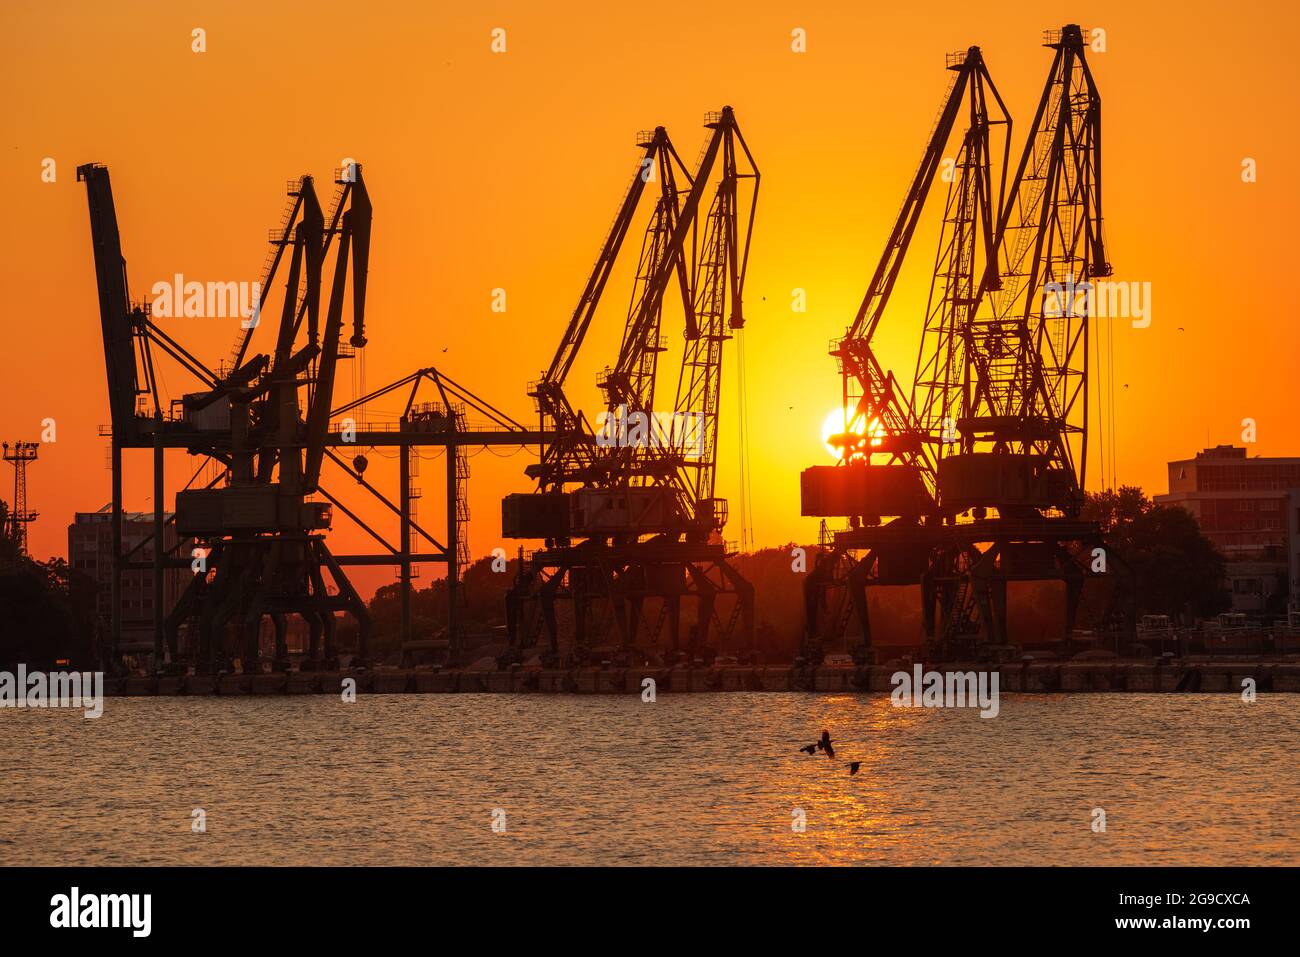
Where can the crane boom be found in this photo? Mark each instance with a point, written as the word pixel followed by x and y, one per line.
pixel 124 326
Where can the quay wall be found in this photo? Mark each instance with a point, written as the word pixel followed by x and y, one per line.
pixel 1224 677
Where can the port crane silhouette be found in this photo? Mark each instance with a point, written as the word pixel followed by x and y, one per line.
pixel 983 463
pixel 629 523
pixel 254 534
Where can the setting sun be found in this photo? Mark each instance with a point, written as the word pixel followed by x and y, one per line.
pixel 833 427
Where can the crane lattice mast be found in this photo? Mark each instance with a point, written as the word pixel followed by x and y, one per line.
pixel 1026 390
pixel 717 285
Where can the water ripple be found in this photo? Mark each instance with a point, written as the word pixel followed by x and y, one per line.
pixel 689 779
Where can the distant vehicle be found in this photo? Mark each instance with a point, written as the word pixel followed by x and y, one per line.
pixel 1232 621
pixel 1155 623
pixel 1156 632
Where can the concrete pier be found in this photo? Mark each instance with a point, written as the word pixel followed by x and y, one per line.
pixel 1038 677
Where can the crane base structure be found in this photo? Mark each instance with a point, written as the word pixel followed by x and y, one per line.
pixel 273 577
pixel 621 600
pixel 963 572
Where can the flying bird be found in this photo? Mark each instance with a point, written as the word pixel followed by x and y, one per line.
pixel 825 744
pixel 822 745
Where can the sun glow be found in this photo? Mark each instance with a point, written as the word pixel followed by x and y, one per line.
pixel 833 428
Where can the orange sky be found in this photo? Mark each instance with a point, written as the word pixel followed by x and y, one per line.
pixel 504 170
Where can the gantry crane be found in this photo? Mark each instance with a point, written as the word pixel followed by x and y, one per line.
pixel 265 553
pixel 1017 465
pixel 265 537
pixel 886 482
pixel 269 423
pixel 643 522
pixel 994 436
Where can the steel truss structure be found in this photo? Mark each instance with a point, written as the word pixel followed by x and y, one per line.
pixel 631 528
pixel 984 461
pixel 254 533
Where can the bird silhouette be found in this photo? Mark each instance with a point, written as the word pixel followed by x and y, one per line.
pixel 825 744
